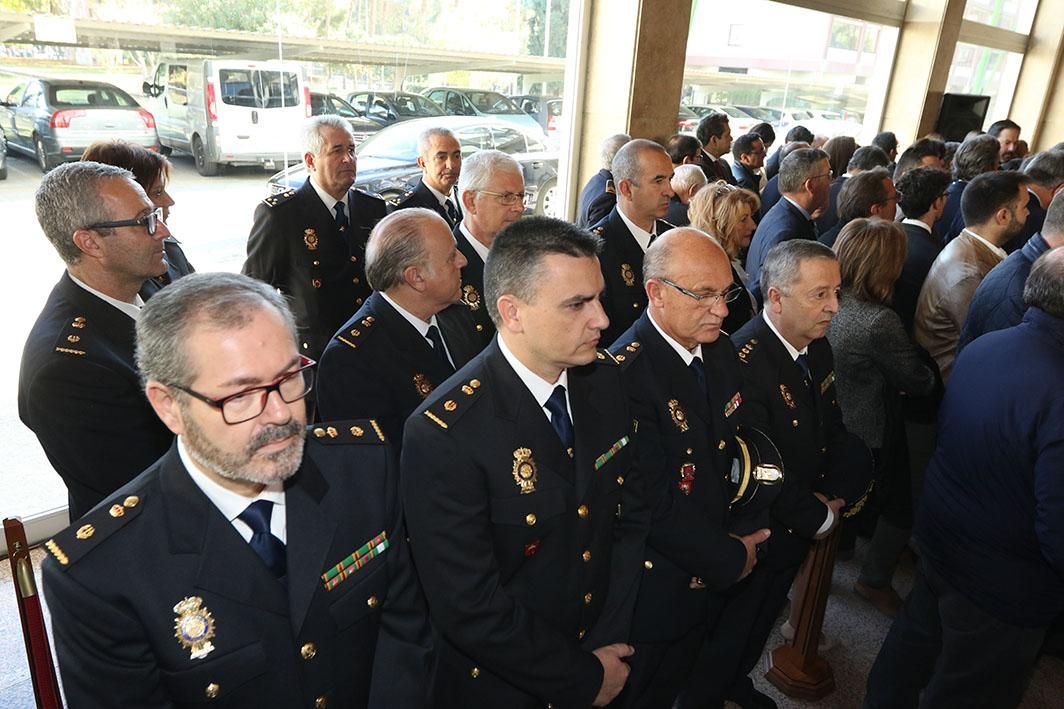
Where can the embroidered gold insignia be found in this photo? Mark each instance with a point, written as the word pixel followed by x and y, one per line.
pixel 471 297
pixel 787 398
pixel 627 274
pixel 310 238
pixel 194 627
pixel 422 385
pixel 679 416
pixel 525 474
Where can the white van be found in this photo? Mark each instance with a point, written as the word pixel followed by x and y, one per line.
pixel 229 111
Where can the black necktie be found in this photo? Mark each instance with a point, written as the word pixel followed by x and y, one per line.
pixel 267 546
pixel 700 373
pixel 341 217
pixel 807 375
pixel 452 212
pixel 436 338
pixel 559 416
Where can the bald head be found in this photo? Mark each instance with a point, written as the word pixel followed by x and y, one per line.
pixel 681 264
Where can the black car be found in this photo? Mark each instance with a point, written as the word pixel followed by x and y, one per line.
pixel 361 126
pixel 387 161
pixel 388 107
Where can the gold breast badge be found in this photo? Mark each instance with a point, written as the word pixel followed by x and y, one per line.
pixel 525 470
pixel 471 297
pixel 194 627
pixel 627 274
pixel 679 416
pixel 787 398
pixel 310 238
pixel 422 385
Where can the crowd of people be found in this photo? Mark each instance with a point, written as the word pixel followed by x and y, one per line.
pixel 439 453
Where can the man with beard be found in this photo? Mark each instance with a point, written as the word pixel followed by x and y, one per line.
pixel 439 155
pixel 256 563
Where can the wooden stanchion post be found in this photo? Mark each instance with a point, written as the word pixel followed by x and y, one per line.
pixel 796 669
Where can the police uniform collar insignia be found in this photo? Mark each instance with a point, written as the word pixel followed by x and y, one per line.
pixel 828 381
pixel 194 627
pixel 787 398
pixel 422 384
pixel 627 274
pixel 732 405
pixel 525 474
pixel 310 238
pixel 687 478
pixel 471 297
pixel 679 416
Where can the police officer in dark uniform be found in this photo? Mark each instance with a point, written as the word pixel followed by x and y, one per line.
pixel 386 359
pixel 599 194
pixel 439 155
pixel 789 393
pixel 642 171
pixel 258 563
pixel 683 382
pixel 78 389
pixel 525 514
pixel 310 243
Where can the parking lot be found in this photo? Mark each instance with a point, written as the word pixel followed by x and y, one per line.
pixel 212 218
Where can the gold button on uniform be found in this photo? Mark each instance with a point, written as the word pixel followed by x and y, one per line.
pixel 581 634
pixel 794 423
pixel 321 702
pixel 530 519
pixel 475 672
pixel 690 451
pixel 648 564
pixel 620 480
pixel 586 556
pixel 721 445
pixel 212 690
pixel 587 598
pixel 582 511
pixel 308 651
pixel 131 501
pixel 372 602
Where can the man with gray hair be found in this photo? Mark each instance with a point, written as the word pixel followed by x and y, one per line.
pixel 805 185
pixel 600 193
pixel 259 562
pixel 1045 172
pixel 685 183
pixel 310 243
pixel 392 353
pixel 643 172
pixel 974 157
pixel 439 155
pixel 78 388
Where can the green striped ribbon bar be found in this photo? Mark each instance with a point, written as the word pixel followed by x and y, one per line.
pixel 356 561
pixel 605 457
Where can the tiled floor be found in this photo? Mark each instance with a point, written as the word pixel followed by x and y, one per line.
pixel 856 629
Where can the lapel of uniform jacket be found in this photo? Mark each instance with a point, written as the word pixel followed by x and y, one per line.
pixel 228 567
pixel 588 409
pixel 409 342
pixel 676 379
pixel 102 316
pixel 310 531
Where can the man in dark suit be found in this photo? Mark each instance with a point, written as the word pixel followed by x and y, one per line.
pixel 310 243
pixel 805 182
pixel 683 383
pixel 258 563
pixel 643 172
pixel 686 181
pixel 789 393
pixel 439 155
pixel 989 529
pixel 998 301
pixel 596 187
pixel 797 134
pixel 391 354
pixel 1046 174
pixel 771 194
pixel 748 156
pixel 525 513
pixel 78 388
pixel 973 158
pixel 714 132
pixel 867 157
pixel 922 193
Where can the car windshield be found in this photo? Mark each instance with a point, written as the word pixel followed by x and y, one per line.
pixel 259 88
pixel 493 103
pixel 99 95
pixel 686 112
pixel 412 105
pixel 342 108
pixel 396 143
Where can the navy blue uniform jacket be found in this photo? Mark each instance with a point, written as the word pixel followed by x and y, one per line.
pixel 782 223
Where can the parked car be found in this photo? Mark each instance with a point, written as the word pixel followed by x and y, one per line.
pixel 393 107
pixel 361 126
pixel 475 102
pixel 764 114
pixel 739 121
pixel 547 110
pixel 230 111
pixel 687 121
pixel 387 161
pixel 3 157
pixel 54 120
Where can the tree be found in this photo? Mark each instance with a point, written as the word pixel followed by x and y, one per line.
pixel 536 12
pixel 243 15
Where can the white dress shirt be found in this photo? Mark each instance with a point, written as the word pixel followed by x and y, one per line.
pixel 641 235
pixel 130 309
pixel 539 387
pixel 420 325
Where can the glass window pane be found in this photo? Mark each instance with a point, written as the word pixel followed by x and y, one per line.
pixel 1015 15
pixel 983 71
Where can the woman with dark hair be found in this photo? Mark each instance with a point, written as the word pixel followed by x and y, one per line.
pixel 726 213
pixel 152 172
pixel 875 366
pixel 840 149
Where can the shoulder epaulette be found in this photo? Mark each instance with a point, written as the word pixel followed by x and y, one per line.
pixel 370 195
pixel 274 199
pixel 355 335
pixel 72 338
pixel 610 189
pixel 449 408
pixel 83 536
pixel 599 230
pixel 746 349
pixel 347 432
pixel 627 354
pixel 607 357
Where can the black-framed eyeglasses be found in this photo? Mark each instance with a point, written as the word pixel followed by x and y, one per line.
pixel 709 299
pixel 509 199
pixel 830 174
pixel 250 403
pixel 149 221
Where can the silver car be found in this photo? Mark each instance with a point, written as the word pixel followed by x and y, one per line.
pixel 54 120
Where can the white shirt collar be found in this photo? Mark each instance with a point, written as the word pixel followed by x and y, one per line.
pixel 790 348
pixel 436 193
pixel 329 200
pixel 232 504
pixel 710 156
pixel 642 236
pixel 799 207
pixel 1032 192
pixel 917 222
pixel 420 325
pixel 480 249
pixel 685 354
pixel 996 249
pixel 130 309
pixel 539 387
